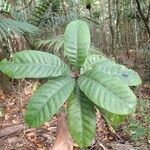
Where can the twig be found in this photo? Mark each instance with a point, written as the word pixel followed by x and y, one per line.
pixel 102 146
pixel 24 135
pixel 16 91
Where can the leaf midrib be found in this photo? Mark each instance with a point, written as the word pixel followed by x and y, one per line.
pixel 77 49
pixel 38 64
pixel 79 96
pixel 43 106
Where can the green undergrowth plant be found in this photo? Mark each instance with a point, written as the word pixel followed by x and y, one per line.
pixel 138 124
pixel 90 81
pixel 10 28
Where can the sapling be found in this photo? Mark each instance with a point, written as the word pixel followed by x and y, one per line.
pixel 87 83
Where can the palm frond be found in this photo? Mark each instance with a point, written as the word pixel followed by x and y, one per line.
pixel 39 12
pixel 10 27
pixel 58 20
pixel 56 42
pixel 52 13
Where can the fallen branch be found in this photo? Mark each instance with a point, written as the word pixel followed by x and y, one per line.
pixel 10 130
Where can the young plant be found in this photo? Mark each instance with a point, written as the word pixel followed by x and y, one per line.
pixel 93 81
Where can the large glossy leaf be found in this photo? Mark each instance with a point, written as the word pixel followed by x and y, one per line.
pixel 103 64
pixel 77 43
pixel 81 118
pixel 34 64
pixel 47 100
pixel 108 92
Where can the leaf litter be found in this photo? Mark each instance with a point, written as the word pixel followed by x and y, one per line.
pixel 15 134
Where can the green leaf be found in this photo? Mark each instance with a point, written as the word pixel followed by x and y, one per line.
pixel 91 61
pixel 103 64
pixel 47 100
pixel 34 64
pixel 128 76
pixel 81 118
pixel 77 43
pixel 113 119
pixel 108 92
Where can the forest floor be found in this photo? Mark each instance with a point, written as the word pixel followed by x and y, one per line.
pixel 15 135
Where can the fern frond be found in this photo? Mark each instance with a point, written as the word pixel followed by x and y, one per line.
pixel 58 20
pixel 10 27
pixel 56 42
pixel 38 12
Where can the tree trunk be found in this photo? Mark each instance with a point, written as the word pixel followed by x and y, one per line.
pixel 63 138
pixel 136 39
pixel 111 29
pixel 117 25
pixel 143 17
